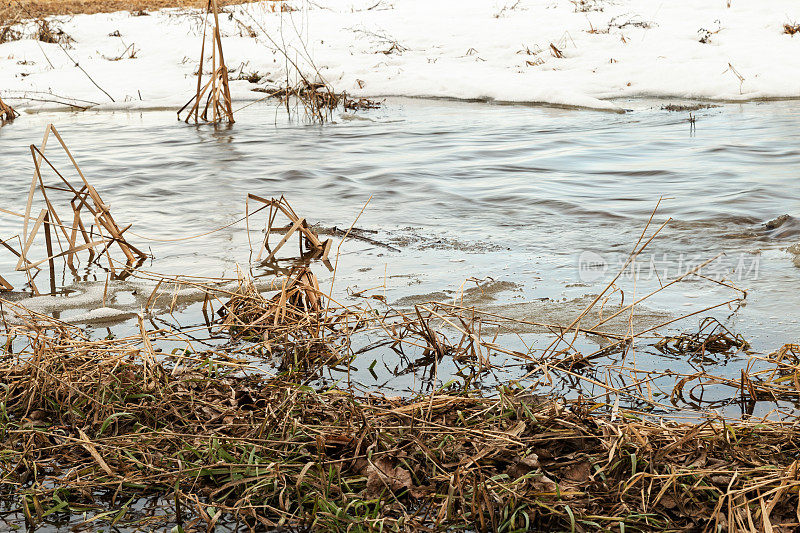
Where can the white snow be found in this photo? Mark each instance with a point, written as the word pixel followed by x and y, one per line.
pixel 468 49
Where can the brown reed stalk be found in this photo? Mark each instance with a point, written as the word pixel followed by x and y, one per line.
pixel 218 99
pixel 7 113
pixel 310 244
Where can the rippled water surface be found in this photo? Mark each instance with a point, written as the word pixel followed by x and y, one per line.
pixel 462 190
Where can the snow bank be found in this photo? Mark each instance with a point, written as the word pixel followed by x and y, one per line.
pixel 564 52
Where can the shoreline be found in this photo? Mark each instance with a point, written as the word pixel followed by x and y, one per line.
pixel 692 104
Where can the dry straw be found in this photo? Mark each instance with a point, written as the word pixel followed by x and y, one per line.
pixel 112 419
pixel 237 427
pixel 311 247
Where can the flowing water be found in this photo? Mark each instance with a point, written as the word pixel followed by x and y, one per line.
pixel 526 211
pixel 462 190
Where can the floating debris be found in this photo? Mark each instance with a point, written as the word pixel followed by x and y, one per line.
pixel 711 338
pixel 360 104
pixel 686 107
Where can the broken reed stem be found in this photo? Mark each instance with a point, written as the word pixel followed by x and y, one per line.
pixel 98 240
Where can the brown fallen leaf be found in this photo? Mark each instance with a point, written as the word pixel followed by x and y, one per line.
pixel 381 475
pixel 579 471
pixel 545 484
pixel 523 465
pixel 668 502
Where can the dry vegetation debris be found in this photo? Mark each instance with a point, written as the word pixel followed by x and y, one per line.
pixel 87 228
pixel 86 420
pixel 216 92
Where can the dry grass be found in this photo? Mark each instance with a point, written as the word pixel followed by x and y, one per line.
pixel 41 8
pixel 94 423
pixel 7 113
pixel 86 421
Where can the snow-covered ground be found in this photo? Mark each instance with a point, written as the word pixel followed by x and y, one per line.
pixel 504 50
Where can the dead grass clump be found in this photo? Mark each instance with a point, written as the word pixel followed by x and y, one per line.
pixel 711 338
pixel 11 17
pixel 359 104
pixel 252 77
pixel 626 21
pixel 15 18
pixel 51 33
pixel 9 32
pixel 685 107
pixel 296 324
pixel 295 308
pixel 318 99
pixel 587 6
pixel 304 85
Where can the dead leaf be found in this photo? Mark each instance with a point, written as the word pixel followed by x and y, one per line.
pixel 544 484
pixel 381 475
pixel 580 472
pixel 523 466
